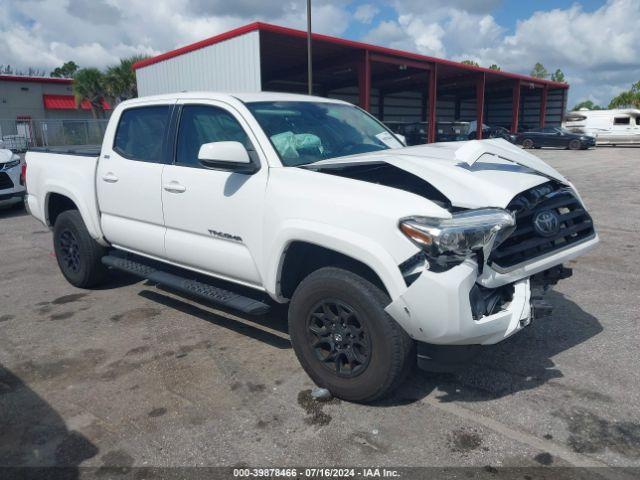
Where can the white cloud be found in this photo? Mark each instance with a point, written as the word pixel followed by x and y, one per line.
pixel 599 51
pixel 46 33
pixel 366 12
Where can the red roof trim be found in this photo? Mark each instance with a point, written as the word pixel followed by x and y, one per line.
pixel 20 78
pixel 67 102
pixel 267 27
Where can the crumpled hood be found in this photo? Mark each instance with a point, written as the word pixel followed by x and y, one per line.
pixel 472 174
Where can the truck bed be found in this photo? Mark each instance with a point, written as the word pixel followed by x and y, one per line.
pixel 82 150
pixel 69 172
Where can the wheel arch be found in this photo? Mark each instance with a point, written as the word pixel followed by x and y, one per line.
pixel 303 250
pixel 59 199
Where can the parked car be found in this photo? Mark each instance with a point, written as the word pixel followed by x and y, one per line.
pixel 491 132
pixel 416 133
pixel 555 137
pixel 609 127
pixel 12 188
pixel 386 254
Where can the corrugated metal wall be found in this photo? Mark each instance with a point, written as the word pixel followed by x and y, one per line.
pixel 229 66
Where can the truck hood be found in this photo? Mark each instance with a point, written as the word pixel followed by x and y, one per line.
pixel 472 174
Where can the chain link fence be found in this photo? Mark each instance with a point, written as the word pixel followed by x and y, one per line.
pixel 20 135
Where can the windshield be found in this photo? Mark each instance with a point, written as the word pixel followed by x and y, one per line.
pixel 306 132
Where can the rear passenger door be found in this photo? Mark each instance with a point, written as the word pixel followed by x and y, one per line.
pixel 129 180
pixel 213 216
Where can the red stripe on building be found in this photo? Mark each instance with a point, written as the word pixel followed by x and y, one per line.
pixel 68 102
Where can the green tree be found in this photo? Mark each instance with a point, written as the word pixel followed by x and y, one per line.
pixel 120 80
pixel 493 66
pixel 67 70
pixel 558 76
pixel 88 84
pixel 539 71
pixel 627 99
pixel 588 104
pixel 470 62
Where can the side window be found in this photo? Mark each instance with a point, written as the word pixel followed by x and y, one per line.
pixel 621 120
pixel 140 133
pixel 201 124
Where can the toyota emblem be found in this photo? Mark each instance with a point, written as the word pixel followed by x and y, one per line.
pixel 546 223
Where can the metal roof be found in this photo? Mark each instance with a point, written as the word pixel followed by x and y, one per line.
pixel 350 44
pixel 26 78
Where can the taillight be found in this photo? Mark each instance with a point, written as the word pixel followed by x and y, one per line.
pixel 23 174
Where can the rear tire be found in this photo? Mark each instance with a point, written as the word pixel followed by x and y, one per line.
pixel 344 339
pixel 78 254
pixel 527 143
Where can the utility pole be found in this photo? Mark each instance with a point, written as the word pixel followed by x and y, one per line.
pixel 309 57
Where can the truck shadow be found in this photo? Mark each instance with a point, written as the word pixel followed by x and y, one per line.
pixel 251 326
pixel 34 437
pixel 522 362
pixel 12 212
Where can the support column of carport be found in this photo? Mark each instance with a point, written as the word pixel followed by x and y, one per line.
pixel 480 86
pixel 515 105
pixel 433 96
pixel 364 81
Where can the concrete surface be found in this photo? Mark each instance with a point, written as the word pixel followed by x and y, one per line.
pixel 132 375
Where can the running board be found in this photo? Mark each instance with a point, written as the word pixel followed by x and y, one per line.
pixel 200 290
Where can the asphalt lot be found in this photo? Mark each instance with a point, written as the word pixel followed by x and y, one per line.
pixel 133 375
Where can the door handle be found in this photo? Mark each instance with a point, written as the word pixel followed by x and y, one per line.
pixel 174 187
pixel 110 178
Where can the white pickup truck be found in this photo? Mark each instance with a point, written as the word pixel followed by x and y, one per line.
pixel 385 253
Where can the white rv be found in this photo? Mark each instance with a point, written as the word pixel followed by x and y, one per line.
pixel 610 127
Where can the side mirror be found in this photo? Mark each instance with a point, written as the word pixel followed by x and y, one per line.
pixel 226 156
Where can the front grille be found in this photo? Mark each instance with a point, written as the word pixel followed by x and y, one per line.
pixel 5 181
pixel 574 225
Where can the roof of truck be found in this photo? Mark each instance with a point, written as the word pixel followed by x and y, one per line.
pixel 246 97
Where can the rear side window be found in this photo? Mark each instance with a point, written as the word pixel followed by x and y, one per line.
pixel 140 133
pixel 622 121
pixel 201 124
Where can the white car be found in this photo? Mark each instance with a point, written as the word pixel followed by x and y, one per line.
pixel 384 252
pixel 12 189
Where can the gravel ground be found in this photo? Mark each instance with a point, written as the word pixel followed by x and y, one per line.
pixel 131 375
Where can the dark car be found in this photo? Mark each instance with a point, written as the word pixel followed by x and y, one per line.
pixel 494 132
pixel 555 137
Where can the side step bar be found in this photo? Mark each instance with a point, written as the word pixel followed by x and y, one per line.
pixel 200 290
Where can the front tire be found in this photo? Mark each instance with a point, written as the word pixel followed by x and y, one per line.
pixel 344 339
pixel 527 143
pixel 78 254
pixel 575 145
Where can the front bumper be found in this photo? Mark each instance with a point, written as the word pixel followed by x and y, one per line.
pixel 11 198
pixel 436 308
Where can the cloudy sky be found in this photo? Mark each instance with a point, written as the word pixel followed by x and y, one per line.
pixel 595 42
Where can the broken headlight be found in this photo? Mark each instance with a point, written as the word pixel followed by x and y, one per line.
pixel 451 240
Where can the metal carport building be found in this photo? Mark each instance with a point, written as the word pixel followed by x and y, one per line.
pixel 394 85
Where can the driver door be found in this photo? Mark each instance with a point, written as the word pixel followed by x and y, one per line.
pixel 213 217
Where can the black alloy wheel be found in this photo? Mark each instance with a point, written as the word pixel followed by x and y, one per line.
pixel 78 254
pixel 338 338
pixel 69 251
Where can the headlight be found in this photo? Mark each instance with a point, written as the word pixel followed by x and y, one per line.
pixel 462 235
pixel 15 161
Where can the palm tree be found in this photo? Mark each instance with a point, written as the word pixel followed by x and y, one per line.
pixel 120 80
pixel 630 98
pixel 88 84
